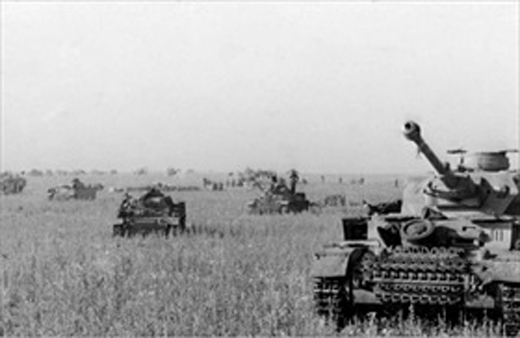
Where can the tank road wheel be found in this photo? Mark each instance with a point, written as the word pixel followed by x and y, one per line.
pixel 332 299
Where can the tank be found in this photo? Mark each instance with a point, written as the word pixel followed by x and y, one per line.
pixel 482 183
pixel 75 191
pixel 271 203
pixel 280 199
pixel 383 207
pixel 12 184
pixel 453 248
pixel 153 212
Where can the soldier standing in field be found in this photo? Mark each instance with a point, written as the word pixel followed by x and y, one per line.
pixel 294 178
pixel 274 184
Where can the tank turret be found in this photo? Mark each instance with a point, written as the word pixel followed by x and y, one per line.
pixel 489 161
pixel 459 186
pixel 481 183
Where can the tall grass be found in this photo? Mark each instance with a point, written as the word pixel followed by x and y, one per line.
pixel 63 274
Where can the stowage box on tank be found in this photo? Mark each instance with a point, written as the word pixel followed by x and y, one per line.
pixel 453 247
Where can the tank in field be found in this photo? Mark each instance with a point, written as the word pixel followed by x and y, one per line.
pixel 153 212
pixel 12 184
pixel 453 248
pixel 75 191
pixel 280 199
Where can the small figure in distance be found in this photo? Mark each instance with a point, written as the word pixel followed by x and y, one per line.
pixel 127 207
pixel 294 178
pixel 274 184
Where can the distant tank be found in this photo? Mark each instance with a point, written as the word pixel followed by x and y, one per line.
pixel 154 212
pixel 453 247
pixel 75 191
pixel 383 208
pixel 12 184
pixel 280 199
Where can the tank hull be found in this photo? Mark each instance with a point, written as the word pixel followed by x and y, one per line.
pixel 66 193
pixel 153 213
pixel 149 225
pixel 12 185
pixel 362 274
pixel 274 204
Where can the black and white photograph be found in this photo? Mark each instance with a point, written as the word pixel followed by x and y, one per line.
pixel 260 168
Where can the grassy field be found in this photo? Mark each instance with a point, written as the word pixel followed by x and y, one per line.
pixel 62 272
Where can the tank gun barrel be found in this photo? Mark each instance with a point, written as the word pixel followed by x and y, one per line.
pixel 412 131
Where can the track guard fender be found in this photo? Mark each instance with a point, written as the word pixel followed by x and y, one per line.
pixel 334 262
pixel 506 272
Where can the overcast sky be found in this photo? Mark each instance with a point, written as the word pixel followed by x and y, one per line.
pixel 321 87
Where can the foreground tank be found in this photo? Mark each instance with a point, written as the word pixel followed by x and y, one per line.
pixel 453 248
pixel 153 212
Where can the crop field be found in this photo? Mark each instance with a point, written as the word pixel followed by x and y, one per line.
pixel 62 273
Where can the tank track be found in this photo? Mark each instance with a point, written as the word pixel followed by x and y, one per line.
pixel 436 277
pixel 511 308
pixel 418 275
pixel 330 296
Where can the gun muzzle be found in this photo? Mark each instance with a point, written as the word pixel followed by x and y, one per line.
pixel 412 131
